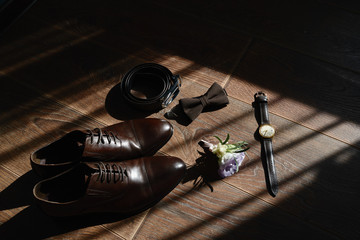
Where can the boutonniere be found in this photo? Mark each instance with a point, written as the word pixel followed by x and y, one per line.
pixel 229 155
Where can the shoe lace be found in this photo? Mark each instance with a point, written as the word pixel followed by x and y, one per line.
pixel 110 136
pixel 108 172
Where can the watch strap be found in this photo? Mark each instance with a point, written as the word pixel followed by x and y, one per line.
pixel 264 113
pixel 262 100
pixel 270 167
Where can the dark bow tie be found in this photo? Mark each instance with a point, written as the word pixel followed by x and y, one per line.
pixel 213 99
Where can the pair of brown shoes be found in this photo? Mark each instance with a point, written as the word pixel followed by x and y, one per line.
pixel 106 170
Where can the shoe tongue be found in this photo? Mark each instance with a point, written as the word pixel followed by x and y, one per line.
pixel 77 140
pixel 95 186
pixel 88 173
pixel 93 150
pixel 79 144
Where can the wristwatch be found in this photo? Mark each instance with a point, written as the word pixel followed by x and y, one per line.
pixel 267 132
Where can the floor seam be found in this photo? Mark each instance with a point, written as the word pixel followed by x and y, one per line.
pixel 111 231
pixel 141 224
pixel 9 170
pixel 241 57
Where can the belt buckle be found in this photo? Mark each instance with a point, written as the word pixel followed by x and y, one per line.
pixel 172 92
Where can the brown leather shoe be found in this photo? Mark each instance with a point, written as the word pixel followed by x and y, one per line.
pixel 126 140
pixel 113 187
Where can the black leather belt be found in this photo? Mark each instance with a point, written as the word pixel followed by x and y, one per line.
pixel 150 87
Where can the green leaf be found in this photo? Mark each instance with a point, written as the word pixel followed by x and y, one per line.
pixel 241 146
pixel 227 138
pixel 242 150
pixel 219 139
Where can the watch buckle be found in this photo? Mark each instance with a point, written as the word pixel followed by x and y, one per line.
pixel 260 93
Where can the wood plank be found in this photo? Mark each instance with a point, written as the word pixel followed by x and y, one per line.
pixel 317 174
pixel 35 224
pixel 312 93
pixel 128 227
pixel 319 30
pixel 226 213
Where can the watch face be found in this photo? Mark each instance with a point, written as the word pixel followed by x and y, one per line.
pixel 267 131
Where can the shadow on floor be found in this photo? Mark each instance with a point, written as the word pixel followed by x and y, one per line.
pixel 32 222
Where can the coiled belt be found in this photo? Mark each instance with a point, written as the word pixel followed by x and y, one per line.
pixel 150 87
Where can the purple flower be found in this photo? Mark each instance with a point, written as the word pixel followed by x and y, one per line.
pixel 230 163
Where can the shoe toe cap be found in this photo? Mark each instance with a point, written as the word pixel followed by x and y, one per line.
pixel 164 174
pixel 153 134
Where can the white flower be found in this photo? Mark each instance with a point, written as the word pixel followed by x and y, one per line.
pixel 227 157
pixel 219 150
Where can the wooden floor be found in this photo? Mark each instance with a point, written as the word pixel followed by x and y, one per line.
pixel 61 61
